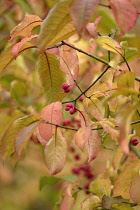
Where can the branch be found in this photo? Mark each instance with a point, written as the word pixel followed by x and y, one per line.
pixel 94 57
pixel 60 126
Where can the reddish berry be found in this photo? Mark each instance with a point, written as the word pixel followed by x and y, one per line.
pixel 87 188
pixel 85 168
pixel 67 122
pixel 72 149
pixel 134 141
pixel 81 99
pixel 76 171
pixel 65 86
pixel 77 157
pixel 67 90
pixel 89 175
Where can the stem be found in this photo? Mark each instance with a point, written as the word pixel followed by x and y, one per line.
pixel 81 188
pixel 137 153
pixel 108 6
pixel 135 122
pixel 60 126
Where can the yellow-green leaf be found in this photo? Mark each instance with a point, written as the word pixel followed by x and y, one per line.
pixel 51 77
pixel 126 79
pixel 8 139
pixel 7 56
pixel 95 108
pixel 135 188
pixel 123 182
pixel 55 152
pixel 91 203
pixel 54 23
pixel 108 43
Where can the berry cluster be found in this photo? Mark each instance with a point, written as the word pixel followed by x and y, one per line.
pixel 85 169
pixel 134 141
pixel 66 87
pixel 73 122
pixel 70 107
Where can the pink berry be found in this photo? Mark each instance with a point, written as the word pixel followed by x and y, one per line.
pixel 77 157
pixel 69 105
pixel 85 168
pixel 134 141
pixel 65 85
pixel 72 111
pixel 67 108
pixel 81 99
pixel 67 122
pixel 67 90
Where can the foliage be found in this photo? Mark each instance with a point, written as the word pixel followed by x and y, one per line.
pixel 69 89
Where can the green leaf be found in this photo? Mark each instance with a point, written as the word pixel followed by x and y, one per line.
pixel 51 77
pixel 51 180
pixel 48 180
pixel 8 139
pixel 7 57
pixel 54 23
pixel 16 92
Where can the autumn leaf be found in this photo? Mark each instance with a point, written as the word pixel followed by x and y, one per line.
pixel 81 11
pixel 51 77
pixel 108 43
pixel 54 23
pixel 126 79
pixel 53 114
pixel 91 28
pixel 92 202
pixel 55 152
pixel 23 136
pixel 17 46
pixel 124 180
pixel 8 139
pixel 25 27
pixel 93 145
pixel 135 188
pixel 95 108
pixel 69 63
pixel 108 201
pixel 81 136
pixel 7 56
pixel 126 14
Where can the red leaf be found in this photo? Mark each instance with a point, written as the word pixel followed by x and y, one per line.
pixel 125 14
pixel 17 46
pixel 69 63
pixel 93 145
pixel 53 114
pixel 91 27
pixel 81 11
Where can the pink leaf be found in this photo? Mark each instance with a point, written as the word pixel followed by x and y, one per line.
pixel 91 27
pixel 55 152
pixel 17 46
pixel 81 136
pixel 125 14
pixel 53 114
pixel 81 11
pixel 26 26
pixel 93 145
pixel 69 64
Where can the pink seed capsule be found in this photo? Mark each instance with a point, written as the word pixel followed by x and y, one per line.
pixel 69 105
pixel 72 111
pixel 67 108
pixel 67 90
pixel 65 86
pixel 134 141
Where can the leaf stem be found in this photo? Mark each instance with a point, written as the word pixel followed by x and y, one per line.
pixel 137 153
